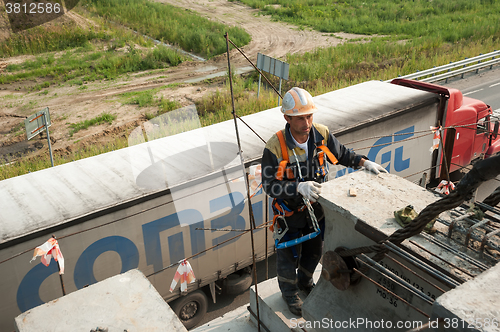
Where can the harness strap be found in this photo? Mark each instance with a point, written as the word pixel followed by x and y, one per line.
pixel 284 153
pixel 321 157
pixel 329 154
pixel 280 209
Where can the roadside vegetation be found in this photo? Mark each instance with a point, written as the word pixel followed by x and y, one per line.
pixel 149 98
pixel 448 21
pixel 170 24
pixel 401 38
pixel 88 64
pixel 103 118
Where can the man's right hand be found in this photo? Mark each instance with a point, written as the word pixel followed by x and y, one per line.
pixel 310 190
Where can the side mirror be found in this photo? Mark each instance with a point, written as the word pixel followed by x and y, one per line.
pixel 495 130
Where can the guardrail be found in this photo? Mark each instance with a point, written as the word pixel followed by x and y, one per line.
pixel 455 68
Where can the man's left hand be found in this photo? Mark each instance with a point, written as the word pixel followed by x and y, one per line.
pixel 374 167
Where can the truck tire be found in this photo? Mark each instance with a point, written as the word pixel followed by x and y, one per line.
pixel 237 283
pixel 190 308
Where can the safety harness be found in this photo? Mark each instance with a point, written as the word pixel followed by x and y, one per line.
pixel 281 211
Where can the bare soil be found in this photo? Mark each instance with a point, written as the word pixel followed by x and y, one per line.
pixel 72 104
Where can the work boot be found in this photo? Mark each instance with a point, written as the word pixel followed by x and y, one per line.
pixel 306 289
pixel 294 304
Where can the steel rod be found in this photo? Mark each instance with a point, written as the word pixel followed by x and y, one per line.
pixel 471 229
pixel 391 276
pixel 462 230
pixel 456 252
pixel 390 292
pixel 443 260
pixel 415 273
pixel 260 72
pixel 245 174
pixel 419 263
pixel 259 322
pixel 487 207
pixel 239 118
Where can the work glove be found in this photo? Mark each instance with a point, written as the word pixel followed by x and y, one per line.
pixel 309 190
pixel 374 167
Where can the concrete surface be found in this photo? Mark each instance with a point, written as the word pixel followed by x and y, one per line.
pixel 472 306
pixel 366 307
pixel 235 320
pixel 125 302
pixel 372 209
pixel 274 312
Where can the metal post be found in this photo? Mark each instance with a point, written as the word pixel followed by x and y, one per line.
pixel 61 279
pixel 258 91
pixel 447 150
pixel 245 175
pixel 48 139
pixel 266 219
pixel 279 93
pixel 59 268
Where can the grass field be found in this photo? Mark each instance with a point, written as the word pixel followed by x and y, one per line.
pixel 449 21
pixel 92 54
pixel 402 37
pixel 174 25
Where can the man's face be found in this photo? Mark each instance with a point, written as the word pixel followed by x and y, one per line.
pixel 300 125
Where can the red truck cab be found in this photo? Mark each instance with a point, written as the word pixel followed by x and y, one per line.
pixel 476 126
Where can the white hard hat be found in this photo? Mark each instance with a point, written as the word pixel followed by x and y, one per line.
pixel 298 101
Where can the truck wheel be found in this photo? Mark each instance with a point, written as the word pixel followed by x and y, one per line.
pixel 191 308
pixel 237 283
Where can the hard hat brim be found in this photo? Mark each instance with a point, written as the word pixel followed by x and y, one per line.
pixel 295 112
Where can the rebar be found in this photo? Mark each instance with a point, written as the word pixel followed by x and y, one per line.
pixel 394 278
pixel 390 292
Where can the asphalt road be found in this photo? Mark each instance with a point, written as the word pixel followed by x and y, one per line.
pixel 225 303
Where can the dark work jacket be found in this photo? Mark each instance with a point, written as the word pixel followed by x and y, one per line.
pixel 286 189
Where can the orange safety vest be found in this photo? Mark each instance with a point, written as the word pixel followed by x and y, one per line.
pixel 282 168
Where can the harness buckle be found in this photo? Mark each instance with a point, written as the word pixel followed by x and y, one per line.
pixel 279 231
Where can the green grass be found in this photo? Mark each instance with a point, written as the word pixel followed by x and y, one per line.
pixel 449 21
pixel 164 106
pixel 412 35
pixel 149 98
pixel 462 29
pixel 40 40
pixel 76 67
pixel 103 118
pixel 170 24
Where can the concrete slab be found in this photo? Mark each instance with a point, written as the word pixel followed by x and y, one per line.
pixel 422 265
pixel 274 312
pixel 472 306
pixel 125 302
pixel 236 320
pixel 363 220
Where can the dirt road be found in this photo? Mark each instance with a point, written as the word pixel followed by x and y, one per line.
pixel 74 104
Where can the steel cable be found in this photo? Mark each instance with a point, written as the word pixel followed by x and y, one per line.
pixel 482 171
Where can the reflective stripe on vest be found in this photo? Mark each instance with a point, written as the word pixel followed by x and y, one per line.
pixel 284 154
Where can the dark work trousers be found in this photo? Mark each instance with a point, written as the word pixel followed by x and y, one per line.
pixel 296 264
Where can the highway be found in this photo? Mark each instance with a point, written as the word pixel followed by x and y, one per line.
pixel 489 92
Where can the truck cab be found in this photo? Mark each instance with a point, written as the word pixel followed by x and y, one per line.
pixel 476 126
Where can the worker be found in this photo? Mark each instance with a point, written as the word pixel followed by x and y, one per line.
pixel 308 145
